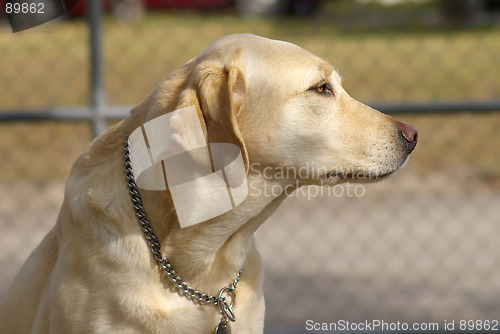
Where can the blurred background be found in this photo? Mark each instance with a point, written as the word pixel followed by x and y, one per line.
pixel 422 246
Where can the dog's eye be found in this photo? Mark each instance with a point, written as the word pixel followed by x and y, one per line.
pixel 323 89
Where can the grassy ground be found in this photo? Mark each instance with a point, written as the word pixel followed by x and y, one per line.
pixel 49 67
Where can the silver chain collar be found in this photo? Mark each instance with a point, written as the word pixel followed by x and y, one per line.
pixel 221 301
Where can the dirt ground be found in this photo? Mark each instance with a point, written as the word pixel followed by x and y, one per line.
pixel 426 248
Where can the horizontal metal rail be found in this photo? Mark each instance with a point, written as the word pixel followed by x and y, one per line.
pixel 120 112
pixel 438 107
pixel 63 114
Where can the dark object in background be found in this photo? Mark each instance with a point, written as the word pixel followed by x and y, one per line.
pixel 468 9
pixel 251 8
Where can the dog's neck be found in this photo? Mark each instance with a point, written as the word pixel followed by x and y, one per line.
pixel 208 255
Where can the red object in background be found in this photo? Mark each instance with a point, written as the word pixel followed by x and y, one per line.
pixel 186 3
pixel 70 4
pixel 244 7
pixel 80 8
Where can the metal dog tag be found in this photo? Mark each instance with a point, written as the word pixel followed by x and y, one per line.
pixel 223 327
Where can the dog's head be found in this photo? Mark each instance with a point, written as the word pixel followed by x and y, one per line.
pixel 283 108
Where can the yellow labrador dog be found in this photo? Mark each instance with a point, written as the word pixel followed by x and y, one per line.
pixel 284 110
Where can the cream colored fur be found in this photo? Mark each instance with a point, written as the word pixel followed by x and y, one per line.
pixel 94 273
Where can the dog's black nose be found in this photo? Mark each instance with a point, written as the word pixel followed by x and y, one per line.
pixel 409 134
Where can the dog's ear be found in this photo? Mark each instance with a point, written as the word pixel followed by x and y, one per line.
pixel 217 93
pixel 187 140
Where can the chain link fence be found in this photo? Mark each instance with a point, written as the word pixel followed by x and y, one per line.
pixel 422 246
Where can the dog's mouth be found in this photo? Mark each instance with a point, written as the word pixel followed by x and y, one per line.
pixel 370 174
pixel 363 175
pixel 357 176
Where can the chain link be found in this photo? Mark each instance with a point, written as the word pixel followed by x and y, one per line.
pixel 154 244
